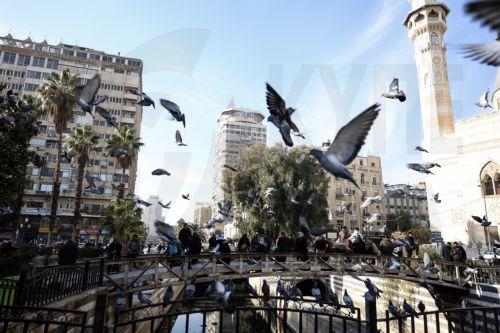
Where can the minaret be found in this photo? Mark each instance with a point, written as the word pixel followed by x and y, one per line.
pixel 426 23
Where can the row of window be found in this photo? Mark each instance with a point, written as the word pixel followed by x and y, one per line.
pixel 10 72
pixel 49 172
pixel 37 75
pixel 108 86
pixel 25 60
pixel 246 127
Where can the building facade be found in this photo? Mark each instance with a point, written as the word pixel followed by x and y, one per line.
pixel 468 149
pixel 24 65
pixel 410 199
pixel 238 129
pixel 367 171
pixel 151 214
pixel 202 213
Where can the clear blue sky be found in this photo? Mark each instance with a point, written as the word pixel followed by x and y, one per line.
pixel 203 53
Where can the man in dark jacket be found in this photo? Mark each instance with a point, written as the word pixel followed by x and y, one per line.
pixel 301 246
pixel 134 247
pixel 185 237
pixel 212 241
pixel 68 253
pixel 282 245
pixel 244 244
pixel 412 245
pixel 446 252
pixel 114 253
pixel 458 253
pixel 195 246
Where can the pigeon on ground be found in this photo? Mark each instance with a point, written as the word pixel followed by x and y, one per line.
pixel 143 298
pixel 145 99
pixel 166 232
pixel 421 149
pixel 316 293
pixel 347 144
pixel 178 139
pixel 436 198
pixel 484 101
pixel 166 206
pixel 86 96
pixel 174 110
pixel 139 201
pixel 249 289
pixel 167 295
pixel 281 291
pixel 266 291
pixel 487 12
pixel 227 166
pixel 111 121
pixel 189 290
pixel 483 221
pixel 409 309
pixel 419 167
pixel 348 301
pixel 185 196
pixel 281 116
pixel 430 165
pixel 394 92
pixel 421 307
pixel 333 300
pixel 160 172
pixel 370 201
pixel 269 191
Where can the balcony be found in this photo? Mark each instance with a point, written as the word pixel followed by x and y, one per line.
pixel 126 120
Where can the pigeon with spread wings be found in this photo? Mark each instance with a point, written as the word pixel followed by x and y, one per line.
pixel 394 92
pixel 174 110
pixel 145 99
pixel 178 139
pixel 86 96
pixel 347 144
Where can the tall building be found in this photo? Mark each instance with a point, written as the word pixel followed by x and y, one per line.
pixel 367 171
pixel 152 213
pixel 202 213
pixel 24 65
pixel 238 129
pixel 410 199
pixel 468 149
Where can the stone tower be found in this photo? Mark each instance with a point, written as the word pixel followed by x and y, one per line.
pixel 426 23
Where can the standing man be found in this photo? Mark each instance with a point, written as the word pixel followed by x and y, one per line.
pixel 134 247
pixel 68 252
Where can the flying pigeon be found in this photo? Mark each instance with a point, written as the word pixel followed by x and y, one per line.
pixel 394 92
pixel 90 180
pixel 295 200
pixel 436 198
pixel 348 301
pixel 421 307
pixel 145 99
pixel 185 196
pixel 333 300
pixel 86 96
pixel 409 309
pixel 281 116
pixel 167 295
pixel 419 167
pixel 371 200
pixel 225 209
pixel 174 110
pixel 269 191
pixel 346 208
pixel 143 298
pixel 320 231
pixel 213 221
pixel 395 264
pixel 166 206
pixel 227 166
pixel 484 102
pixel 347 144
pixel 421 149
pixel 374 218
pixel 120 153
pixel 160 172
pixel 487 13
pixel 430 165
pixel 265 289
pixel 304 226
pixel 249 289
pixel 483 221
pixel 166 232
pixel 178 139
pixel 311 199
pixel 189 290
pixel 280 290
pixel 111 121
pixel 139 201
pixel 316 293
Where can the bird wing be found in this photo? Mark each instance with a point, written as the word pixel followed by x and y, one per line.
pixel 166 231
pixel 178 137
pixel 477 219
pixel 487 12
pixel 171 107
pixel 90 180
pixel 436 196
pixel 275 104
pixel 87 93
pixel 133 91
pixel 394 87
pixel 485 53
pixel 351 137
pixel 366 203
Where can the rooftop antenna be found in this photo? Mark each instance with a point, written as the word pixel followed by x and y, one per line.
pixel 230 105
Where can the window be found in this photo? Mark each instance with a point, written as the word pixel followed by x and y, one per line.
pixel 95 56
pixel 120 61
pixel 374 181
pixel 373 165
pixel 30 87
pixel 81 55
pixel 107 58
pixel 52 63
pixel 69 53
pixel 433 14
pixel 34 75
pixel 360 162
pixel 65 173
pixel 23 60
pixel 38 62
pixel 55 50
pixel 362 178
pixel 9 58
pixel 419 18
pixel 134 63
pixel 46 187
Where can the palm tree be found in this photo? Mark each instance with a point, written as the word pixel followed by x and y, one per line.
pixel 123 219
pixel 58 97
pixel 81 141
pixel 125 140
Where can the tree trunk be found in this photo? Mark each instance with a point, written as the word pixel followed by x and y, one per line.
pixel 121 192
pixel 55 190
pixel 16 215
pixel 78 198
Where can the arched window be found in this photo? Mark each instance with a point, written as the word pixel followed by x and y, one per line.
pixel 419 18
pixel 496 183
pixel 434 39
pixel 433 14
pixel 362 178
pixel 488 186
